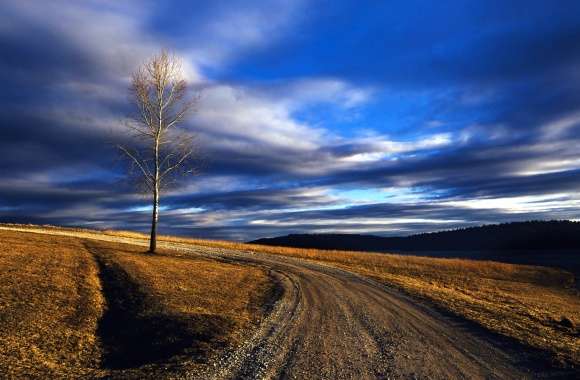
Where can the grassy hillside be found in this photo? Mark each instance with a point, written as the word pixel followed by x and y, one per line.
pixel 73 308
pixel 538 306
pixel 535 305
pixel 533 235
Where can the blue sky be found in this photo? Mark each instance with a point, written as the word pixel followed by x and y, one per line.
pixel 315 116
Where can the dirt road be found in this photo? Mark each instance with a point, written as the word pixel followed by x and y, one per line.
pixel 331 324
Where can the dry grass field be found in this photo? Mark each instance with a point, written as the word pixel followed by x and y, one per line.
pixel 73 308
pixel 537 306
pixel 50 304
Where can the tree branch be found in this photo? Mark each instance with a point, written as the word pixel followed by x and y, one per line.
pixel 140 165
pixel 185 156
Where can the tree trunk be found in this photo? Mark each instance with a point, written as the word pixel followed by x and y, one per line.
pixel 154 219
pixel 155 215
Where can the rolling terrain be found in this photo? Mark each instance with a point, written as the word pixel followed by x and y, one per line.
pixel 530 236
pixel 225 310
pixel 546 243
pixel 77 308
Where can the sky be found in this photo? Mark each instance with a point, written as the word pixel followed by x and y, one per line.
pixel 388 118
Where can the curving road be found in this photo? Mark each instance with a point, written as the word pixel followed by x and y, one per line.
pixel 331 324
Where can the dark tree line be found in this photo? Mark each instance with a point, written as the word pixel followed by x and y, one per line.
pixel 533 235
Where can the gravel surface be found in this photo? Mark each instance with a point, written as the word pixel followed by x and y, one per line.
pixel 331 324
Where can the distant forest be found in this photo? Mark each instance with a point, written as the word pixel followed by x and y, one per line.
pixel 533 235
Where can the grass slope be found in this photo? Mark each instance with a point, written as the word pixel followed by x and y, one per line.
pixel 537 306
pixel 517 236
pixel 73 307
pixel 50 303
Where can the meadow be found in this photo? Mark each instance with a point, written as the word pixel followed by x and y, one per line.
pixel 73 308
pixel 534 305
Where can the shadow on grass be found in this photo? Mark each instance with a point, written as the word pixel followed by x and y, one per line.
pixel 135 330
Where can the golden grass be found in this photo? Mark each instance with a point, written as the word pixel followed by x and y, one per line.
pixel 53 301
pixel 50 303
pixel 185 285
pixel 519 301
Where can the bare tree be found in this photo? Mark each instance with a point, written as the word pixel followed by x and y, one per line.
pixel 158 150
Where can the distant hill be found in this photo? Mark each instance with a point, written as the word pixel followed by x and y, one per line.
pixel 534 235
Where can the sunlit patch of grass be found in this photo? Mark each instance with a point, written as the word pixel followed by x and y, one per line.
pixel 73 307
pixel 535 305
pixel 538 306
pixel 190 285
pixel 50 303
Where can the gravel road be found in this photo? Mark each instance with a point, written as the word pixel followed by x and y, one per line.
pixel 332 324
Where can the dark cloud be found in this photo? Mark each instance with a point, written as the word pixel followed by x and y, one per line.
pixel 259 199
pixel 503 79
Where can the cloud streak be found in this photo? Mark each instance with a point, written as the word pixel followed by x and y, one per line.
pixel 352 119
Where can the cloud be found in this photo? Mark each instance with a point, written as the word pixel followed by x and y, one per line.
pixel 325 90
pixel 236 113
pixel 345 119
